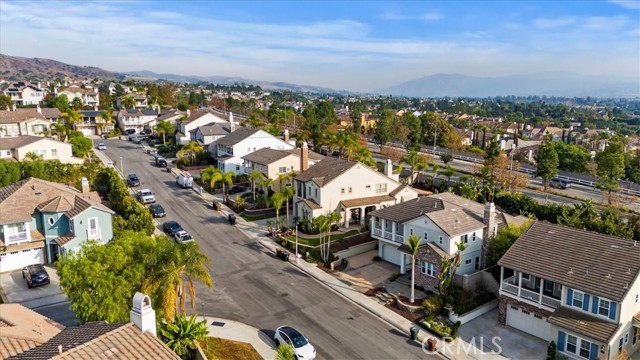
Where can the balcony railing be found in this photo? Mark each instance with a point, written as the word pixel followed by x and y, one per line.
pixel 93 233
pixel 510 286
pixel 387 235
pixel 530 295
pixel 550 302
pixel 17 237
pixel 399 238
pixel 513 289
pixel 377 232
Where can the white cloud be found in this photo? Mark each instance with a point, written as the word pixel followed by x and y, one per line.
pixel 605 22
pixel 432 16
pixel 552 23
pixel 628 4
pixel 429 16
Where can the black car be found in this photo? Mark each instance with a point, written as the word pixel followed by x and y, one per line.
pixel 237 189
pixel 129 132
pixel 132 180
pixel 171 228
pixel 157 211
pixel 161 162
pixel 35 275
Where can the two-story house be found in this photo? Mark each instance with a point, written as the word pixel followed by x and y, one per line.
pixel 18 147
pixel 170 115
pixel 347 187
pixel 197 119
pixel 206 134
pixel 272 162
pixel 136 119
pixel 140 100
pixel 92 123
pixel 578 288
pixel 229 150
pixel 23 122
pixel 41 220
pixel 22 93
pixel 442 221
pixel 90 97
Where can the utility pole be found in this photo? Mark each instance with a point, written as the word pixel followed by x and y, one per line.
pixel 513 149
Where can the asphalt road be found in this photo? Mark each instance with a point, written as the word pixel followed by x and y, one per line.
pixel 60 313
pixel 252 286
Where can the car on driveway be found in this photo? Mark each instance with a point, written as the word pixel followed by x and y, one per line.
pixel 132 180
pixel 302 349
pixel 102 146
pixel 171 228
pixel 237 189
pixel 182 237
pixel 157 211
pixel 146 196
pixel 35 275
pixel 129 132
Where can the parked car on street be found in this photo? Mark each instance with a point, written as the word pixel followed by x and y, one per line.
pixel 160 161
pixel 35 275
pixel 171 228
pixel 182 237
pixel 301 346
pixel 146 196
pixel 102 146
pixel 559 183
pixel 157 211
pixel 137 139
pixel 129 132
pixel 184 180
pixel 237 189
pixel 132 180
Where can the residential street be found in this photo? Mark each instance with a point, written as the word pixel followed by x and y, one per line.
pixel 252 286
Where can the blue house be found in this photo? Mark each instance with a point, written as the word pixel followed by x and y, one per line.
pixel 42 220
pixel 578 288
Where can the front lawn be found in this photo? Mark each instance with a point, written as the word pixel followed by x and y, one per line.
pixel 316 241
pixel 222 349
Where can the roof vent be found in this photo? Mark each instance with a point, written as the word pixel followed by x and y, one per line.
pixel 615 246
pixel 608 276
pixel 581 322
pixel 626 286
pixel 457 220
pixel 570 272
pixel 628 271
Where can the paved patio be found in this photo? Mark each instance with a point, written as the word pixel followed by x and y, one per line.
pixel 363 273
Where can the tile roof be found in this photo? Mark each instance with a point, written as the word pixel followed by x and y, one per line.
pixel 198 114
pixel 266 156
pixel 100 340
pixel 584 324
pixel 312 204
pixel 10 143
pixel 326 170
pixel 51 113
pixel 239 134
pixel 370 200
pixel 600 264
pixel 64 239
pixel 19 115
pixel 22 329
pixel 169 114
pixel 431 245
pixel 33 244
pixel 57 204
pixel 410 209
pixel 460 215
pixel 312 154
pixel 78 90
pixel 136 112
pixel 29 195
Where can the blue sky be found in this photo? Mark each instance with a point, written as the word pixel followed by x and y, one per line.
pixel 353 45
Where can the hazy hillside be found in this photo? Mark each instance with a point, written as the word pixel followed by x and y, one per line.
pixel 15 68
pixel 550 84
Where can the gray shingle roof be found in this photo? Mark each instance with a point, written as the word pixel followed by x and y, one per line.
pixel 10 143
pixel 214 129
pixel 409 210
pixel 598 264
pixel 239 134
pixel 266 156
pixel 19 115
pixel 584 324
pixel 326 170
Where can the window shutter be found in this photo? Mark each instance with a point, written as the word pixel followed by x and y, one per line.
pixel 596 303
pixel 593 355
pixel 569 297
pixel 561 337
pixel 585 303
pixel 612 310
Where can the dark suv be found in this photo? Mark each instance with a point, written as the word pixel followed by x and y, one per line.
pixel 132 180
pixel 171 228
pixel 35 275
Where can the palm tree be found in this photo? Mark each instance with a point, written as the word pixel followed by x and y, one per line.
pixel 181 335
pixel 277 200
pixel 415 161
pixel 449 172
pixel 413 244
pixel 191 148
pixel 227 180
pixel 77 104
pixel 285 352
pixel 60 129
pixel 175 265
pixel 128 102
pixel 287 192
pixel 72 117
pixel 254 176
pixel 164 128
pixel 265 183
pixel 212 176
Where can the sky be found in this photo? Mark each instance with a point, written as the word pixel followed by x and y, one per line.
pixel 345 45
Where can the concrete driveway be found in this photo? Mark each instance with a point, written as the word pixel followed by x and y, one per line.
pixel 363 273
pixel 16 290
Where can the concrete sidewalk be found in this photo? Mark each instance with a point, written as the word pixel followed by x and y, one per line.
pixel 233 330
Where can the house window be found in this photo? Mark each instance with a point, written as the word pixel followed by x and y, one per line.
pixel 578 299
pixel 367 187
pixel 467 262
pixel 464 238
pixel 585 349
pixel 237 167
pixel 525 312
pixel 477 266
pixel 410 231
pixel 514 308
pixel 71 225
pixel 8 152
pixel 54 152
pixel 537 316
pixel 428 269
pixel 440 240
pixel 603 307
pixel 350 190
pixel 474 236
pixel 93 231
pixel 426 236
pixel 16 232
pixel 381 188
pixel 620 345
pixel 282 169
pixel 572 344
pixel 51 220
pixel 315 193
pixel 526 277
pixel 636 335
pixel 342 191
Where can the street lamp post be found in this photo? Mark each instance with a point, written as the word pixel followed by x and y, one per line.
pixel 295 219
pixel 121 166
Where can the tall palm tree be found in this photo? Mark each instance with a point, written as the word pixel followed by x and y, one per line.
pixel 211 175
pixel 175 266
pixel 227 180
pixel 265 183
pixel 254 176
pixel 72 117
pixel 277 200
pixel 191 148
pixel 413 244
pixel 164 128
pixel 287 192
pixel 128 102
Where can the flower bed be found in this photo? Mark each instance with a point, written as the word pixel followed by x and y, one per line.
pixel 441 327
pixel 405 305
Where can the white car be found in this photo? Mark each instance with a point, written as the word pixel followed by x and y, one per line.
pixel 146 196
pixel 302 349
pixel 102 146
pixel 183 237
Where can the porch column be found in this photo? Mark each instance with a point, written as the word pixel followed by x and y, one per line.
pixel 541 289
pixel 501 276
pixel 519 282
pixel 382 224
pixel 393 233
pixel 346 218
pixel 402 269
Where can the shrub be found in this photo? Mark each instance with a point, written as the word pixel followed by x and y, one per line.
pixel 432 304
pixel 377 258
pixel 394 277
pixel 551 351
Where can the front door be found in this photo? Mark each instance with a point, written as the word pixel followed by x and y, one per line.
pixel 93 228
pixel 54 251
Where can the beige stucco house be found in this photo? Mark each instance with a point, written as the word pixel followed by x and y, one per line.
pixel 18 147
pixel 23 122
pixel 273 162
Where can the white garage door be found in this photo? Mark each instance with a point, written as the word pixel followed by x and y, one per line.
pixel 529 322
pixel 88 131
pixel 20 259
pixel 391 254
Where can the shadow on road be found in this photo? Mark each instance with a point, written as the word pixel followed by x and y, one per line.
pixel 294 271
pixel 267 336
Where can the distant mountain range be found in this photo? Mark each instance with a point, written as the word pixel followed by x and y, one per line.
pixel 15 68
pixel 550 84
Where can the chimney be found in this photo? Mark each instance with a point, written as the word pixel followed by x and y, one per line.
pixel 84 185
pixel 286 136
pixel 304 157
pixel 142 314
pixel 232 126
pixel 489 220
pixel 38 109
pixel 188 113
pixel 13 106
pixel 388 168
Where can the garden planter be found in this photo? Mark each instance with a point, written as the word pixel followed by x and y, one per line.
pixel 407 307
